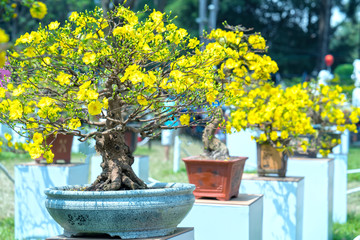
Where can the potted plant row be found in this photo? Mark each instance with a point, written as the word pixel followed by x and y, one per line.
pixel 109 72
pixel 301 119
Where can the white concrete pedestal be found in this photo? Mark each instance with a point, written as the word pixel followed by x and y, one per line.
pixel 140 167
pixel 283 205
pixel 240 144
pixel 318 195
pixel 32 221
pixel 239 218
pixel 340 187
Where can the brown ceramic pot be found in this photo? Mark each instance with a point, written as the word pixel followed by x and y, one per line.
pixel 218 179
pixel 270 161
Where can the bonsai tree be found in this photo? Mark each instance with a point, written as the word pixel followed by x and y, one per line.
pixel 106 73
pixel 280 115
pixel 330 115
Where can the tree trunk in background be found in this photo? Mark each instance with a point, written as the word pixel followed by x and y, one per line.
pixel 324 32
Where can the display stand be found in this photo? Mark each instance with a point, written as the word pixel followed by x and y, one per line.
pixel 340 187
pixel 32 221
pixel 340 156
pixel 140 167
pixel 180 234
pixel 239 218
pixel 318 195
pixel 283 204
pixel 241 144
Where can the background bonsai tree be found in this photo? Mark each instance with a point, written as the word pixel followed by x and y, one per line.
pixel 107 73
pixel 279 114
pixel 330 116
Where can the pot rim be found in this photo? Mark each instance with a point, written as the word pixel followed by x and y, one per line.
pixel 155 189
pixel 203 159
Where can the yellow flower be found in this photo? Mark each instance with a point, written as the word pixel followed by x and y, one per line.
pixel 2 59
pixel 185 119
pixel 63 78
pixel 105 103
pixel 284 135
pixel 49 156
pixel 16 110
pixel 142 100
pixel 10 144
pixel 89 58
pixel 54 25
pixel 3 36
pixel 193 43
pixel 38 10
pixel 34 150
pixel 94 107
pixel 7 136
pixel 73 16
pixel 74 123
pixel 38 138
pixel 273 136
pixel 262 137
pixel 2 92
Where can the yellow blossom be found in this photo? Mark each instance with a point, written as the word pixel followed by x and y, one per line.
pixel 94 107
pixel 54 25
pixel 49 156
pixel 4 38
pixel 74 123
pixel 273 136
pixel 142 100
pixel 63 78
pixel 38 138
pixel 185 119
pixel 89 58
pixel 7 136
pixel 38 10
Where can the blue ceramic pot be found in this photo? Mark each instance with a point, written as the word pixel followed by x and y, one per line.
pixel 128 214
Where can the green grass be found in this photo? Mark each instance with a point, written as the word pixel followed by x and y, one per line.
pixel 7 231
pixel 349 230
pixel 354 163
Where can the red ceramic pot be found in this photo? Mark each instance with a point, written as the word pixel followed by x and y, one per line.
pixel 218 179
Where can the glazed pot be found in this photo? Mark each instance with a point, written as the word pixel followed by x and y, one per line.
pixel 271 161
pixel 218 179
pixel 128 214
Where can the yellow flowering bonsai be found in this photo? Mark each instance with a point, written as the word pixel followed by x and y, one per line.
pixel 330 115
pixel 279 114
pixel 109 72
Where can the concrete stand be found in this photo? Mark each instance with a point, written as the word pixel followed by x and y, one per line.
pixel 32 221
pixel 180 234
pixel 318 195
pixel 283 205
pixel 239 218
pixel 340 187
pixel 240 144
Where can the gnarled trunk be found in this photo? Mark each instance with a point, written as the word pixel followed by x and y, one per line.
pixel 214 148
pixel 117 173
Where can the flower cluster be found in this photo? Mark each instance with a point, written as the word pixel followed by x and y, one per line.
pixel 109 72
pixel 278 113
pixel 303 116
